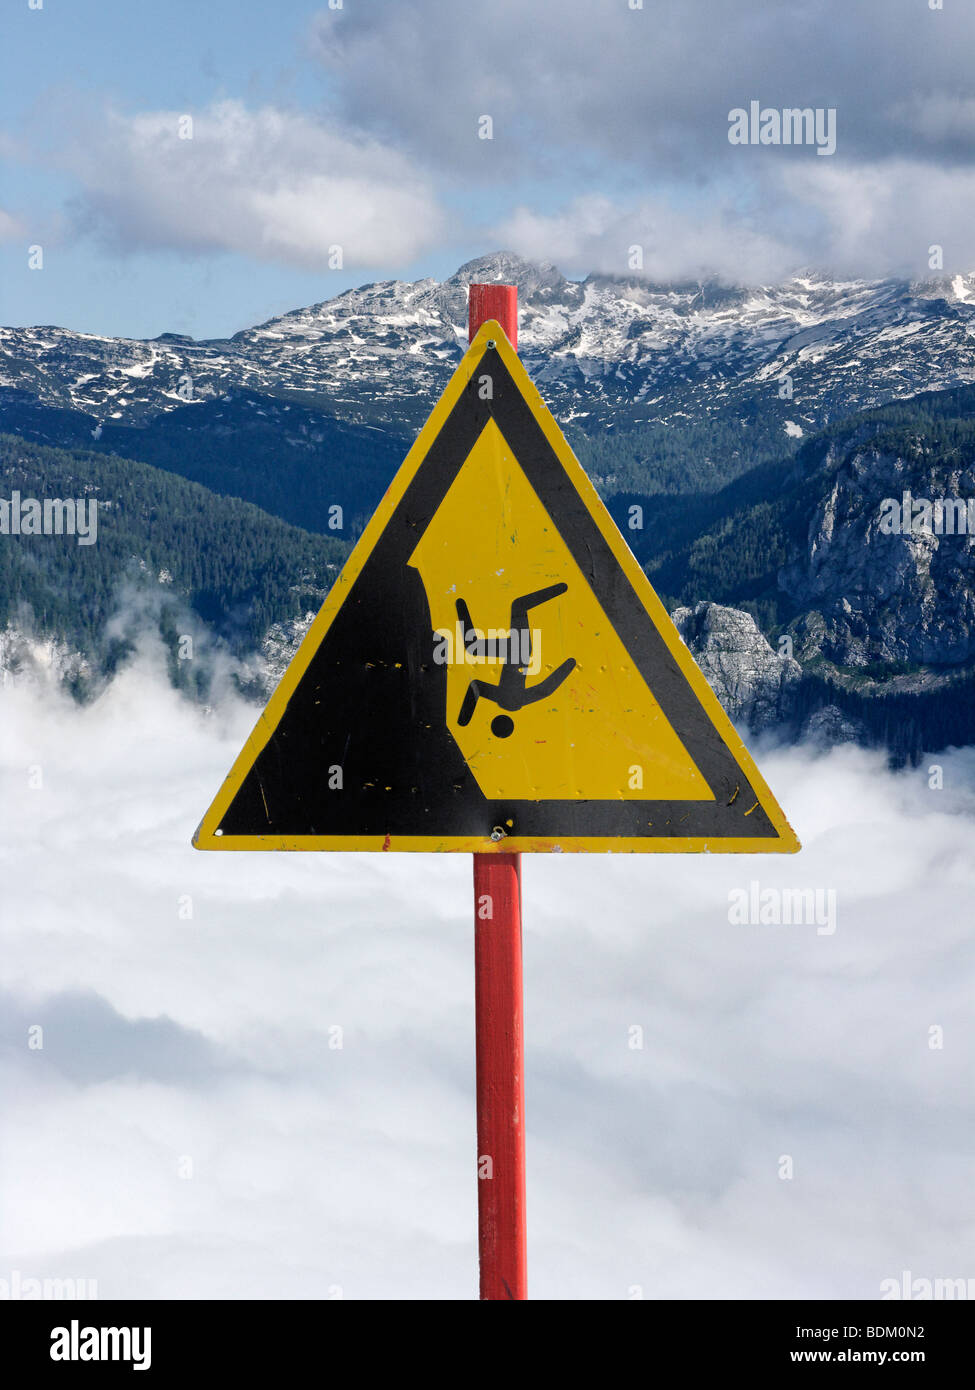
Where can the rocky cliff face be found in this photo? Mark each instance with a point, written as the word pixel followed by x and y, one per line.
pixel 279 649
pixel 871 597
pixel 755 685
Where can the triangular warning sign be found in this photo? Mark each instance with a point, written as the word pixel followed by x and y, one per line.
pixel 493 671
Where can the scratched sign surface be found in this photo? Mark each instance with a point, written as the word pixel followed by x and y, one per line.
pixel 493 671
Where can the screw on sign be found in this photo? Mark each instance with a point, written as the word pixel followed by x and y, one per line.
pixel 574 720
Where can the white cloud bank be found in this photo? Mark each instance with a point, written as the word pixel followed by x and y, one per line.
pixel 315 1169
pixel 596 233
pixel 276 185
pixel 871 219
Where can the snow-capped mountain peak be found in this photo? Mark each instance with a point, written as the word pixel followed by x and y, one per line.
pixel 613 348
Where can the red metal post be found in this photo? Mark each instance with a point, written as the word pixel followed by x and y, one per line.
pixel 498 302
pixel 500 1076
pixel 498 1003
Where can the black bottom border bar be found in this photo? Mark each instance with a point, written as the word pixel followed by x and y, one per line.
pixel 56 1341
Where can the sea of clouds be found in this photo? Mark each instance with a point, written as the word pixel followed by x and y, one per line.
pixel 190 1130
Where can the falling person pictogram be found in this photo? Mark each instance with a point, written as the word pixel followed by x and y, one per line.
pixel 512 691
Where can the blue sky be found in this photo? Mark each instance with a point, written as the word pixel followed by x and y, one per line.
pixel 359 127
pixel 166 54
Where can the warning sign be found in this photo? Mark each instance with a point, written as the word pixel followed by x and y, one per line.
pixel 492 670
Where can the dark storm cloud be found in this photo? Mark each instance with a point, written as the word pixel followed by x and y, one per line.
pixel 649 88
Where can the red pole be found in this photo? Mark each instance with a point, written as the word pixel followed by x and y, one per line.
pixel 500 1076
pixel 498 302
pixel 498 1003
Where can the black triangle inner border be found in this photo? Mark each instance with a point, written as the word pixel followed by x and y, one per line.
pixel 433 792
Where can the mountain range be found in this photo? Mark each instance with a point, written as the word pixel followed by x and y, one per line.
pixel 758 429
pixel 613 352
